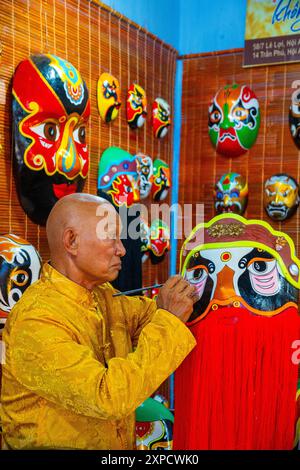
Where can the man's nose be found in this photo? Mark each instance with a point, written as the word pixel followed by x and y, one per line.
pixel 120 249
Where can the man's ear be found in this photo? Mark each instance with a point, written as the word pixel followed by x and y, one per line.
pixel 71 240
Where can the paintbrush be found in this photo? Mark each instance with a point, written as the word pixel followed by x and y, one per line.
pixel 134 291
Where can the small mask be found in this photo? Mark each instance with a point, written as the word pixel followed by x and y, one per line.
pixel 108 97
pixel 145 239
pixel 20 266
pixel 136 106
pixel 144 166
pixel 161 180
pixel 233 120
pixel 117 176
pixel 231 194
pixel 50 110
pixel 161 119
pixel 281 196
pixel 154 426
pixel 160 240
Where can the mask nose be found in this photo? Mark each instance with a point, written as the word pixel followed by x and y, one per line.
pixel 225 288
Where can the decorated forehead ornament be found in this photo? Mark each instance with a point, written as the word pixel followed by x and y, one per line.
pixel 154 426
pixel 159 240
pixel 231 194
pixel 50 110
pixel 108 97
pixel 20 266
pixel 281 196
pixel 233 120
pixel 161 180
pixel 161 117
pixel 144 166
pixel 231 260
pixel 136 106
pixel 117 176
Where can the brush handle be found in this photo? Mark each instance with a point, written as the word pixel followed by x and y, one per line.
pixel 134 291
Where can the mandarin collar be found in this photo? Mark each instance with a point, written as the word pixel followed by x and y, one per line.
pixel 67 287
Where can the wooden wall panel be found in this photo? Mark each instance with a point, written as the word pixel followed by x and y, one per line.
pixel 274 150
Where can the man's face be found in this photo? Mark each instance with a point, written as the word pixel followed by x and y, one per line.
pixel 100 248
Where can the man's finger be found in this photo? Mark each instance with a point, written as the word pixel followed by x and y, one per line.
pixel 172 281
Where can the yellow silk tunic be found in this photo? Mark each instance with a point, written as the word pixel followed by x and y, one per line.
pixel 78 363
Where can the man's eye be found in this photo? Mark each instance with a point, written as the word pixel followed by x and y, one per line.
pixel 47 130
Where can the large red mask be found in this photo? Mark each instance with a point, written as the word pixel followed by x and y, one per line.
pixel 241 377
pixel 51 108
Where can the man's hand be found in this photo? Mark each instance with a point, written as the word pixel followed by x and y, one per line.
pixel 178 297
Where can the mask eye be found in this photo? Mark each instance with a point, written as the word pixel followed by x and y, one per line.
pixel 219 195
pixel 196 275
pixel 20 277
pixel 240 113
pixel 260 266
pixel 234 194
pixel 47 130
pixel 80 135
pixel 215 116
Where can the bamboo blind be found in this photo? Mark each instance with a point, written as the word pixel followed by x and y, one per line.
pixel 95 39
pixel 273 152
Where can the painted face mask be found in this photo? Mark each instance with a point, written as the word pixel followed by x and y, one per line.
pixel 144 166
pixel 233 120
pixel 50 110
pixel 231 194
pixel 108 97
pixel 281 196
pixel 160 240
pixel 136 106
pixel 154 426
pixel 20 266
pixel 117 176
pixel 161 117
pixel 294 118
pixel 246 276
pixel 161 180
pixel 145 239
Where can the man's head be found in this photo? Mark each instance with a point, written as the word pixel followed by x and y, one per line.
pixel 83 233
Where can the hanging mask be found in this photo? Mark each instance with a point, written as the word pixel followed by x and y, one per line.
pixel 231 194
pixel 161 180
pixel 144 166
pixel 154 426
pixel 294 118
pixel 281 196
pixel 233 120
pixel 145 239
pixel 161 117
pixel 136 106
pixel 118 177
pixel 160 240
pixel 20 266
pixel 50 109
pixel 108 97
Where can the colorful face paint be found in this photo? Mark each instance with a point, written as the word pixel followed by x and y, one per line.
pixel 294 118
pixel 136 106
pixel 231 194
pixel 233 120
pixel 161 180
pixel 108 97
pixel 117 176
pixel 20 266
pixel 161 117
pixel 144 166
pixel 145 239
pixel 50 108
pixel 160 240
pixel 154 426
pixel 281 196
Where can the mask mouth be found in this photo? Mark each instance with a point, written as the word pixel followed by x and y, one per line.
pixel 277 211
pixel 63 189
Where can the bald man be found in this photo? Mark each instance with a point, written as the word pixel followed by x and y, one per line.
pixel 78 360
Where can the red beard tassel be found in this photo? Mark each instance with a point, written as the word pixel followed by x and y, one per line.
pixel 237 388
